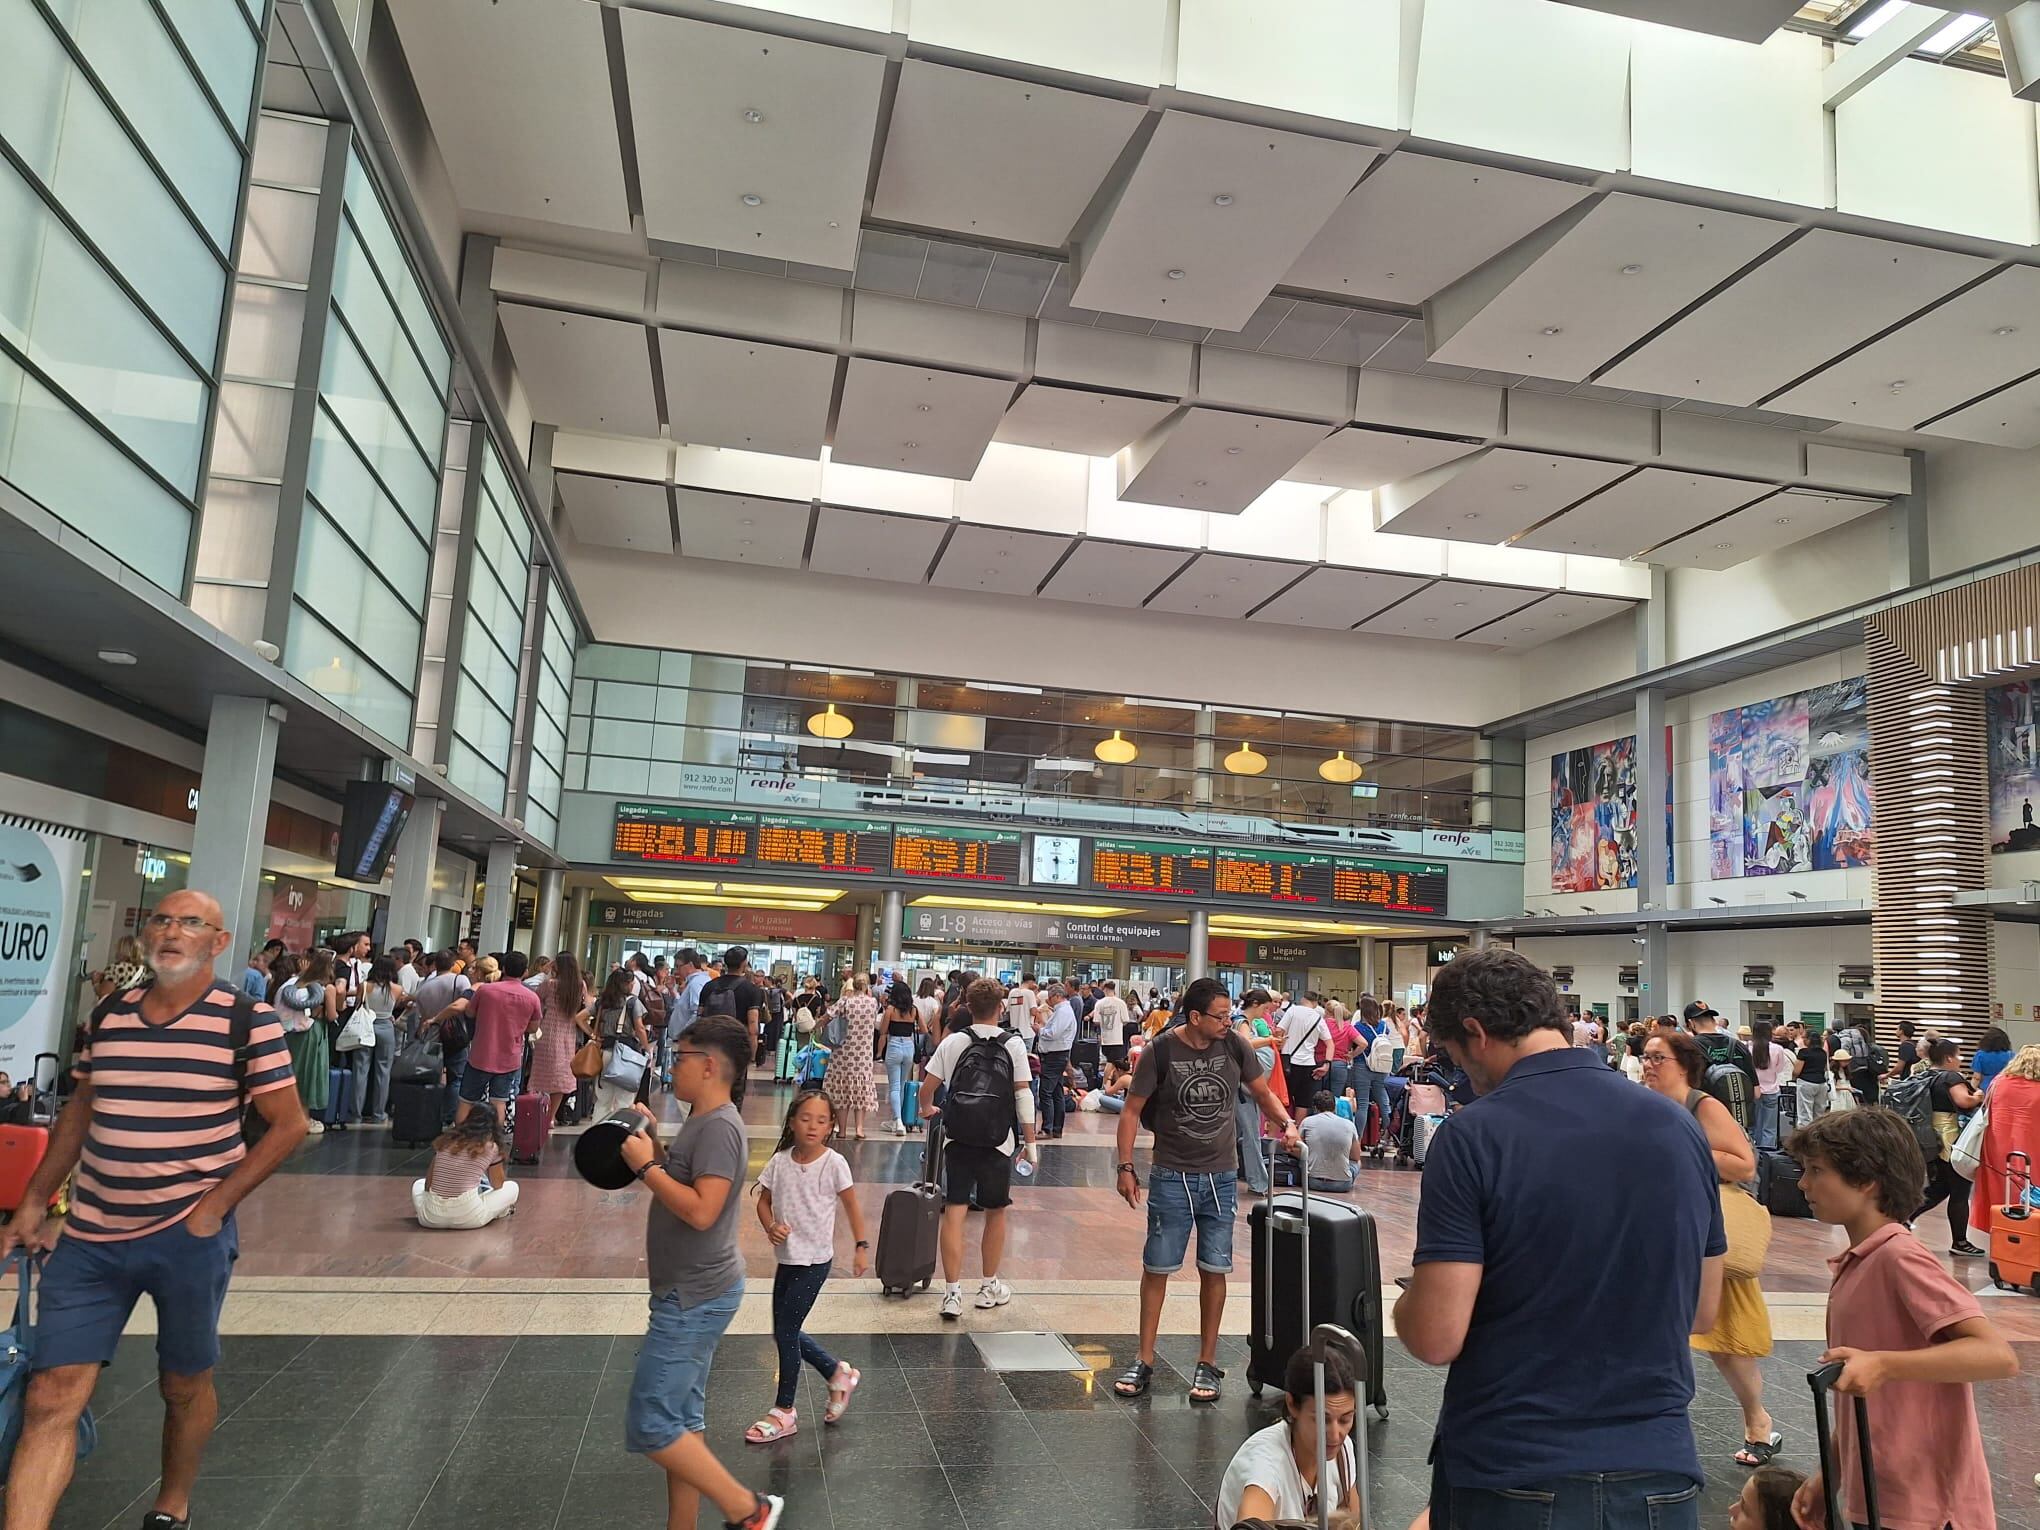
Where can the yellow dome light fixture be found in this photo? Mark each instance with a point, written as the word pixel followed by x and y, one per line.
pixel 1245 761
pixel 1340 769
pixel 1116 750
pixel 829 723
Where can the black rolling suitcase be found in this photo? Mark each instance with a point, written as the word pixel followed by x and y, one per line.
pixel 1822 1381
pixel 909 1226
pixel 415 1112
pixel 1332 1251
pixel 1778 1189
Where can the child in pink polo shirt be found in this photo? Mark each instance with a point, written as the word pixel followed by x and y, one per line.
pixel 1909 1337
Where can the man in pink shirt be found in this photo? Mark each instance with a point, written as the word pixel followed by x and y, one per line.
pixel 504 1012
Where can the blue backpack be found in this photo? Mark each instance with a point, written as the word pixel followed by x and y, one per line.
pixel 17 1352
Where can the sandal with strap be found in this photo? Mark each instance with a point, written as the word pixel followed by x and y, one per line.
pixel 775 1425
pixel 1135 1379
pixel 1759 1452
pixel 841 1385
pixel 1205 1383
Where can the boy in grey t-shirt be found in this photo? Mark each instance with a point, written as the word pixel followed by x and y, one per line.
pixel 697 1276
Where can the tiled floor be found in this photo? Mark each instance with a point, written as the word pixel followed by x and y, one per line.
pixel 385 1433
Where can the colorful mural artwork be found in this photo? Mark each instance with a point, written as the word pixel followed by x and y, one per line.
pixel 1593 816
pixel 1789 784
pixel 2014 767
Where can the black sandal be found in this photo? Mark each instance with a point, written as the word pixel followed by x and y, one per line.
pixel 1759 1452
pixel 1206 1383
pixel 1135 1379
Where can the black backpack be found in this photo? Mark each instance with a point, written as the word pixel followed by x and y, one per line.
pixel 719 998
pixel 1913 1099
pixel 1731 1077
pixel 979 1109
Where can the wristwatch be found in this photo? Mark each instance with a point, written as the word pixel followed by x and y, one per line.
pixel 1127 1168
pixel 862 1244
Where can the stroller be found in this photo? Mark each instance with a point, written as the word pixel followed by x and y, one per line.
pixel 1424 1093
pixel 809 1064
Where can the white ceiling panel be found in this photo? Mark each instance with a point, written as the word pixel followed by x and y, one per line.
pixel 743 393
pixel 1338 597
pixel 1940 361
pixel 1118 574
pixel 518 95
pixel 616 512
pixel 1000 561
pixel 1071 420
pixel 915 420
pixel 1220 585
pixel 1418 224
pixel 1227 205
pixel 740 528
pixel 695 90
pixel 862 544
pixel 1555 616
pixel 1628 264
pixel 1643 510
pixel 1490 495
pixel 2009 417
pixel 1810 301
pixel 993 157
pixel 593 374
pixel 1213 459
pixel 1447 610
pixel 1359 458
pixel 1782 519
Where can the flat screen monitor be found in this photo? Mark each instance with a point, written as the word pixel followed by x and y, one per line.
pixel 370 821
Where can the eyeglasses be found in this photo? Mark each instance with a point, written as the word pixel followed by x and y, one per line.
pixel 680 1052
pixel 190 924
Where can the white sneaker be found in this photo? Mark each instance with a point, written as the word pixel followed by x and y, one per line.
pixel 952 1302
pixel 316 1126
pixel 994 1293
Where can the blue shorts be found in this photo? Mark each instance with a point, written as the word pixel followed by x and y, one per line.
pixel 89 1288
pixel 1179 1201
pixel 669 1390
pixel 477 1086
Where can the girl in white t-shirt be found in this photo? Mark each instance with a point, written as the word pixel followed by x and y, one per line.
pixel 798 1192
pixel 1274 1475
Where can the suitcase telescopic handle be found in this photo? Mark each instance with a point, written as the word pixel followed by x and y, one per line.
pixel 1822 1382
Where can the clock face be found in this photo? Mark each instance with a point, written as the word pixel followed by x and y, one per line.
pixel 1055 860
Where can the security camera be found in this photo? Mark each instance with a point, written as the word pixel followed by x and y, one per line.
pixel 1719 902
pixel 1799 896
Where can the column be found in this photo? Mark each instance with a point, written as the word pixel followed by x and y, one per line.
pixel 545 931
pixel 1654 972
pixel 499 895
pixel 906 694
pixel 1480 938
pixel 412 870
pixel 1367 967
pixel 891 918
pixel 1653 968
pixel 233 812
pixel 1203 757
pixel 577 923
pixel 1198 963
pixel 860 959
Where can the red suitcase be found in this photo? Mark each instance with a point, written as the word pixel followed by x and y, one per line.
pixel 529 1126
pixel 21 1154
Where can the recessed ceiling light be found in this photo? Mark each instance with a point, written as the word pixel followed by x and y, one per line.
pixel 752 199
pixel 752 114
pixel 1459 605
pixel 1897 383
pixel 1631 270
pixel 1223 199
pixel 118 656
pixel 744 542
pixel 1232 578
pixel 1783 520
pixel 922 408
pixel 743 523
pixel 1202 483
pixel 1473 515
pixel 2006 329
pixel 1722 546
pixel 1430 618
pixel 1232 451
pixel 1175 273
pixel 1518 487
pixel 910 445
pixel 1553 329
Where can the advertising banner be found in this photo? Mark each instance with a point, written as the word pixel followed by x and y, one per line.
pixel 38 898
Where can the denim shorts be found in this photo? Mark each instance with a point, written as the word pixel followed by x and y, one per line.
pixel 89 1289
pixel 669 1390
pixel 1179 1201
pixel 477 1086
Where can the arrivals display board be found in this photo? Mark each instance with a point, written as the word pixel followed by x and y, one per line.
pixel 851 847
pixel 665 835
pixel 1318 879
pixel 986 856
pixel 1147 867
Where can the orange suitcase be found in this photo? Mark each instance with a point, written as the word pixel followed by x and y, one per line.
pixel 2015 1233
pixel 21 1154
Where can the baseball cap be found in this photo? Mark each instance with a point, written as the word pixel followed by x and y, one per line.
pixel 1698 1010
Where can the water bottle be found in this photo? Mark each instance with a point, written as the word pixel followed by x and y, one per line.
pixel 1023 1161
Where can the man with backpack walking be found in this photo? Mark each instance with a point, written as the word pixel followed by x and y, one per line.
pixel 734 994
pixel 1731 1070
pixel 990 1102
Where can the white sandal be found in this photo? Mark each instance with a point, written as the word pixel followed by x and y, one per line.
pixel 841 1385
pixel 777 1424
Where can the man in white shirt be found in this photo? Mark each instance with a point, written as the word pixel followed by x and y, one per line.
pixel 412 972
pixel 1022 1004
pixel 1305 1027
pixel 1055 1036
pixel 1112 1017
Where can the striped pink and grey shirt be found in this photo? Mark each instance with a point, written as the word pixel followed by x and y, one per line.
pixel 166 1110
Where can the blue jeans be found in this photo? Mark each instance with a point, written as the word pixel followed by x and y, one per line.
pixel 1055 1066
pixel 1253 1158
pixel 456 1065
pixel 1766 1135
pixel 1368 1086
pixel 1336 1077
pixel 1594 1501
pixel 669 1389
pixel 794 1289
pixel 899 1068
pixel 1179 1202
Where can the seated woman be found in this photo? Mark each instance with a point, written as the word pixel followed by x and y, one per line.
pixel 1275 1474
pixel 465 1187
pixel 1111 1098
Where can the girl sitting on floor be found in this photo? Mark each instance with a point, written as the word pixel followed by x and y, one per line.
pixel 465 1186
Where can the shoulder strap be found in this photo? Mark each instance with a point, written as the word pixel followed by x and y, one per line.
pixel 1693 1099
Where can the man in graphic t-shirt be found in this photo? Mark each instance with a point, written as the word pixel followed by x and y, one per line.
pixel 1193 1072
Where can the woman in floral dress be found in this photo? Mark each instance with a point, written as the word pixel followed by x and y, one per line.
pixel 564 995
pixel 848 1081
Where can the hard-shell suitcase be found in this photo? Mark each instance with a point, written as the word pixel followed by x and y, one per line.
pixel 339 1097
pixel 1822 1381
pixel 1332 1251
pixel 1422 1129
pixel 528 1128
pixel 909 1225
pixel 910 1102
pixel 2014 1232
pixel 414 1113
pixel 21 1154
pixel 784 1058
pixel 1778 1186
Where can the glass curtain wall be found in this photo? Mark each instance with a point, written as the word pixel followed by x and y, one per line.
pixel 552 677
pixel 358 598
pixel 125 129
pixel 478 757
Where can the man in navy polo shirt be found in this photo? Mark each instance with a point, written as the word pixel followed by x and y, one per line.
pixel 1561 1300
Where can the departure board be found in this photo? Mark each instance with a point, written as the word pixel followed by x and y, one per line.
pixel 838 846
pixel 956 855
pixel 682 836
pixel 1148 867
pixel 1329 881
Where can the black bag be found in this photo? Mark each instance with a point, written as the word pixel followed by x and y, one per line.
pixel 980 1111
pixel 909 1225
pixel 1778 1185
pixel 719 997
pixel 1330 1250
pixel 1913 1098
pixel 422 1062
pixel 415 1110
